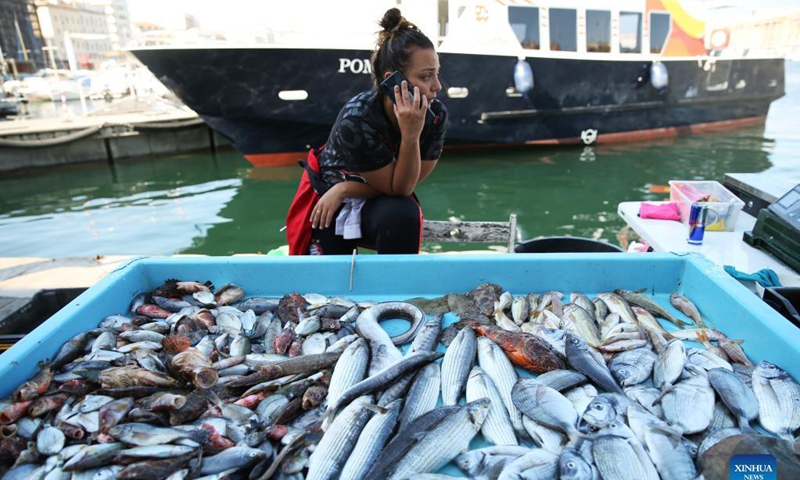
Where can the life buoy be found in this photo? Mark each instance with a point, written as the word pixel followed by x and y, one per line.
pixel 589 136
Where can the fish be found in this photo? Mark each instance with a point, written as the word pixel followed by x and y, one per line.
pixel 484 297
pixel 546 406
pixel 585 326
pixel 650 305
pixel 36 386
pixel 778 396
pixel 524 350
pixel 292 308
pixel 498 367
pixel 736 395
pixel 351 368
pixel 632 367
pixel 537 463
pixel 456 365
pixel 587 361
pixel 497 428
pixel 688 308
pixel 406 438
pixel 382 348
pixel 618 455
pixel 372 440
pixel 427 336
pixel 382 378
pixel 330 455
pixel 669 365
pixel 689 405
pixel 423 395
pixel 443 442
pixel 480 462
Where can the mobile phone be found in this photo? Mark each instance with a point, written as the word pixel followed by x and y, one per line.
pixel 397 78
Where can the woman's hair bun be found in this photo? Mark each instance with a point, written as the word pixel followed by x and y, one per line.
pixel 391 19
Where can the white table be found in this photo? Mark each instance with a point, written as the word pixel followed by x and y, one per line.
pixel 722 248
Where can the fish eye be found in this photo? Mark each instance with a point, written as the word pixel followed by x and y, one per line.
pixel 570 464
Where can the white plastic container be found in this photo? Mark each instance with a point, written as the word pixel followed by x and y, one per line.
pixel 723 206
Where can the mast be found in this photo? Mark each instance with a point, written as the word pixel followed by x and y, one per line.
pixel 21 40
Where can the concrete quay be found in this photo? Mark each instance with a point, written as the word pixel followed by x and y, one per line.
pixel 127 131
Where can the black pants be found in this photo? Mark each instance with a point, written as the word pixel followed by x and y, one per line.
pixel 389 224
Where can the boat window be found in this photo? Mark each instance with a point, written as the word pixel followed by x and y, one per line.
pixel 598 31
pixel 659 31
pixel 630 32
pixel 292 95
pixel 457 92
pixel 525 23
pixel 563 30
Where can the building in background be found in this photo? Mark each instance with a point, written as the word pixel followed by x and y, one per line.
pixel 20 38
pixel 81 34
pixel 771 31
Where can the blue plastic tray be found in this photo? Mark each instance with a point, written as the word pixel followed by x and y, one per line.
pixel 731 307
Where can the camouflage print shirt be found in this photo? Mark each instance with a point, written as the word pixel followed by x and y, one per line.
pixel 363 139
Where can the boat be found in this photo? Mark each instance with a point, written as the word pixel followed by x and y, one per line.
pixel 514 72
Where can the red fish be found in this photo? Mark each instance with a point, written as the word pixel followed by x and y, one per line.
pixel 523 349
pixel 152 311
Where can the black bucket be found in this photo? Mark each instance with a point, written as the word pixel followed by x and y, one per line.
pixel 565 245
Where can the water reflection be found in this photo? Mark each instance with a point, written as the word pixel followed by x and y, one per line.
pixel 220 205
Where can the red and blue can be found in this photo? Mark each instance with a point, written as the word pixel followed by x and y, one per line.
pixel 697 223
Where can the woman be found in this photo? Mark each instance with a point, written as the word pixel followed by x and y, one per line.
pixel 378 151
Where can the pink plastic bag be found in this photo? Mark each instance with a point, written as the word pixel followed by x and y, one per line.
pixel 663 211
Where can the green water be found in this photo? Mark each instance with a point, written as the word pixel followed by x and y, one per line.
pixel 220 205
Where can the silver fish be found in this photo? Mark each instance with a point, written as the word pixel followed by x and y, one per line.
pixel 427 337
pixel 240 456
pixel 308 326
pixel 716 436
pixel 737 396
pixel 581 396
pixel 590 363
pixel 618 305
pixel 561 380
pixel 315 343
pixel 689 405
pixel 619 455
pixel 496 364
pixel 442 443
pixel 543 436
pixel 339 440
pixel 646 397
pixel 371 441
pixel 497 428
pixel 633 367
pixel 456 365
pixel 537 463
pixel 50 441
pixel 545 405
pixel 351 368
pixel 423 395
pixel 481 462
pixel 778 397
pixel 669 365
pixel 383 350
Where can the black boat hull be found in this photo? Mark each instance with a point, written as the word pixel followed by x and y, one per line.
pixel 236 91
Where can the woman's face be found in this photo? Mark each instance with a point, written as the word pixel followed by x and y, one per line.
pixel 423 72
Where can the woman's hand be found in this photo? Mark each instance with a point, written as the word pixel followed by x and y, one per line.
pixel 327 206
pixel 410 113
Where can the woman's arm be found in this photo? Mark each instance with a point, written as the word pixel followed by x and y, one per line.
pixel 401 176
pixel 330 202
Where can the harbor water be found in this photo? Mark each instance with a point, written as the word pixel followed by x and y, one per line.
pixel 218 204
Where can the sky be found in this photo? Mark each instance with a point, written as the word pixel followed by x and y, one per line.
pixel 259 14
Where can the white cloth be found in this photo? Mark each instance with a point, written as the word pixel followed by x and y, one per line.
pixel 348 223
